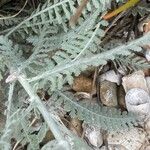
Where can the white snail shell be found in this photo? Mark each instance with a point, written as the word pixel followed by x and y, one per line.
pixel 138 101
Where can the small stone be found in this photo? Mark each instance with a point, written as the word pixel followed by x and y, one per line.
pixel 93 135
pixel 108 93
pixel 95 138
pixel 111 76
pixel 135 80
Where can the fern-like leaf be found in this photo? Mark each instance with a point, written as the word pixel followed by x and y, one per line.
pixel 132 62
pixel 104 117
pixel 10 54
pixel 57 13
pixel 64 71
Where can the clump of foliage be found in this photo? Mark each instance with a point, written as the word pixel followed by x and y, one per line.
pixel 42 50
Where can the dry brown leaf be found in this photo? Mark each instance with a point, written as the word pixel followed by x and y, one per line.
pixel 73 20
pixel 76 126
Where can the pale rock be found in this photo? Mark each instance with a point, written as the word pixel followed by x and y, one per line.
pixel 93 135
pixel 94 139
pixel 129 140
pixel 111 76
pixel 135 80
pixel 108 93
pixel 138 101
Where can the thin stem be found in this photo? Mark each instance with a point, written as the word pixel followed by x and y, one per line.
pixel 47 116
pixel 7 131
pixel 88 43
pixel 10 94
